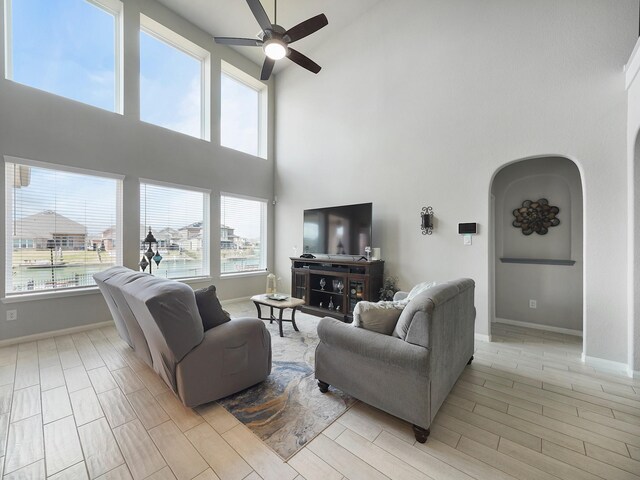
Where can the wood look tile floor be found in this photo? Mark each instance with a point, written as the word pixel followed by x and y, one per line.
pixel 84 407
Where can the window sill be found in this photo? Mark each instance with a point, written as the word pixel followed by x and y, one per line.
pixel 190 280
pixel 258 273
pixel 44 295
pixel 30 297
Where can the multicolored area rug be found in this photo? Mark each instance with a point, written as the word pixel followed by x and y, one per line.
pixel 287 410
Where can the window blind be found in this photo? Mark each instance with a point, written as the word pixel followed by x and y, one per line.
pixel 176 217
pixel 61 227
pixel 243 226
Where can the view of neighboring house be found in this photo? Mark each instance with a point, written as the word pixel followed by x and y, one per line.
pixel 166 237
pixel 107 239
pixel 190 237
pixel 35 230
pixel 228 239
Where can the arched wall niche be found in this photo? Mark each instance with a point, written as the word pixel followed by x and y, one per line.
pixel 547 269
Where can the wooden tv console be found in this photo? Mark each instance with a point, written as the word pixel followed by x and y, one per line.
pixel 361 280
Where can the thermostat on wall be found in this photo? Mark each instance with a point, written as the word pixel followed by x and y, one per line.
pixel 467 228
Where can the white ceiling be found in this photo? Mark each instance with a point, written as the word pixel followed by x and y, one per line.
pixel 233 18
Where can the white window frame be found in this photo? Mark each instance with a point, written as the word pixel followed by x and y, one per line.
pixel 263 234
pixel 206 214
pixel 8 254
pixel 173 39
pixel 113 7
pixel 263 104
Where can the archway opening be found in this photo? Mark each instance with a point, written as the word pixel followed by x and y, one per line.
pixel 634 325
pixel 536 251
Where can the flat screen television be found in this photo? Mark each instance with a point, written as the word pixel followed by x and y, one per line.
pixel 342 230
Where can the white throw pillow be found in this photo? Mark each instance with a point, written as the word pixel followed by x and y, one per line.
pixel 378 317
pixel 418 289
pixel 403 323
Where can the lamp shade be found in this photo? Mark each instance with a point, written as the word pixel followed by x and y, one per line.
pixel 150 238
pixel 275 49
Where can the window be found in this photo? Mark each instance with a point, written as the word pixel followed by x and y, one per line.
pixel 62 226
pixel 243 108
pixel 67 47
pixel 179 220
pixel 243 234
pixel 174 85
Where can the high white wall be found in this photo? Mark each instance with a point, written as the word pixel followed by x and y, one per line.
pixel 557 289
pixel 633 168
pixel 420 102
pixel 40 126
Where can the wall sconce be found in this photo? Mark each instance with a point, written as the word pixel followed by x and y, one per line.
pixel 427 220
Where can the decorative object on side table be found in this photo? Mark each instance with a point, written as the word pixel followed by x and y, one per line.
pixel 389 288
pixel 427 220
pixel 536 217
pixel 271 284
pixel 149 255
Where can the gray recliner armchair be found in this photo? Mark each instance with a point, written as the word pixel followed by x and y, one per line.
pixel 409 373
pixel 159 318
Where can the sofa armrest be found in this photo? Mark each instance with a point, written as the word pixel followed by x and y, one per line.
pixel 232 357
pixel 236 332
pixel 373 346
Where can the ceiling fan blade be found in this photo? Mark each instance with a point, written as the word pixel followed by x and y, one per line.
pixel 303 61
pixel 244 42
pixel 261 16
pixel 307 27
pixel 267 68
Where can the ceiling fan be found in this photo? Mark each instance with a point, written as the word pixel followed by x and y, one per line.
pixel 275 39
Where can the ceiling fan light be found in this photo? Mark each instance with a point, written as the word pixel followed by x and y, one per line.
pixel 275 49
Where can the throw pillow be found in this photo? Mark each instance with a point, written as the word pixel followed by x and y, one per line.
pixel 378 317
pixel 404 322
pixel 210 309
pixel 419 288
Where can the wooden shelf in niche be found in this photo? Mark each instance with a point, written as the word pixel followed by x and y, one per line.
pixel 538 261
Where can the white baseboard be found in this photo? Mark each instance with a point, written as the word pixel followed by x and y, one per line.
pixel 54 333
pixel 633 373
pixel 537 326
pixel 482 338
pixel 617 367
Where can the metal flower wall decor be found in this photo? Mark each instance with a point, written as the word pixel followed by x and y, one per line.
pixel 536 217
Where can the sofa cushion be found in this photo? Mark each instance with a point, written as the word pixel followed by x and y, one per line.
pixel 209 308
pixel 378 317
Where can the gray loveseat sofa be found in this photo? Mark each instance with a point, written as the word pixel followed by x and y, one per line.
pixel 159 319
pixel 410 373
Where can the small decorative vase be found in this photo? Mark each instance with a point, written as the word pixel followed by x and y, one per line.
pixel 271 284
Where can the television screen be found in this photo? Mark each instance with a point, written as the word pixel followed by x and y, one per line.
pixel 343 230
